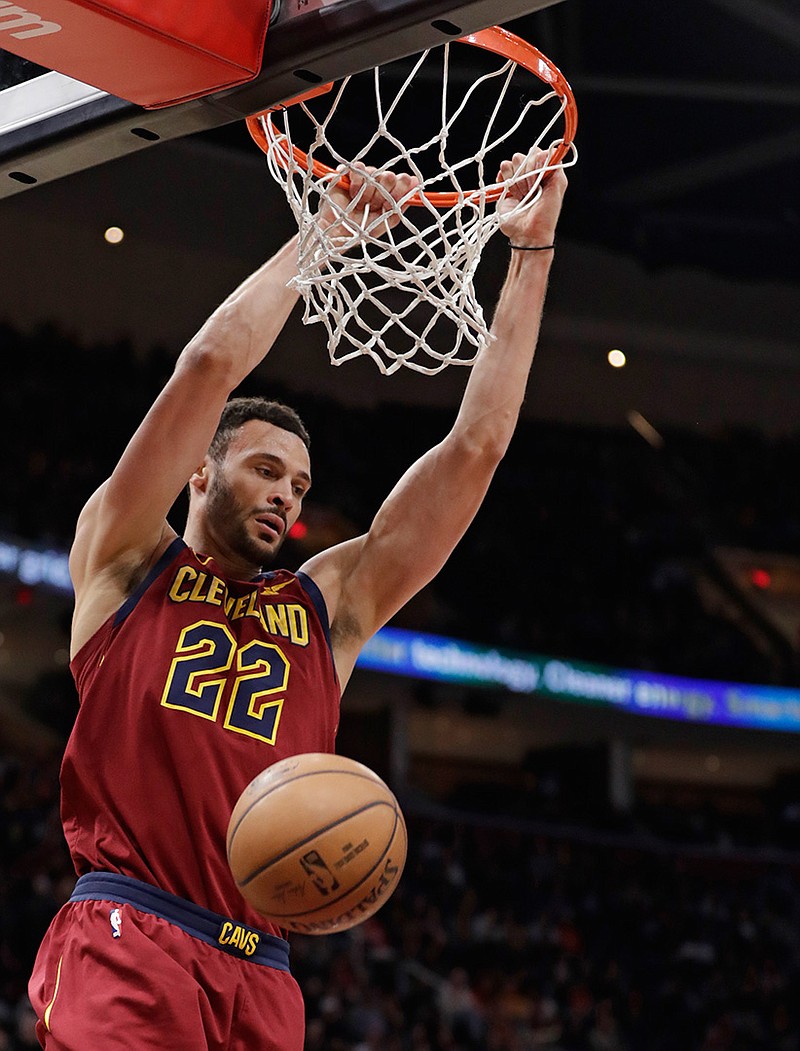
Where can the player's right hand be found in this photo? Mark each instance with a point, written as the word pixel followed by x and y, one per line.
pixel 368 200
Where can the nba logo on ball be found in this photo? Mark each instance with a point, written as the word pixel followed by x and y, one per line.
pixel 325 881
pixel 317 843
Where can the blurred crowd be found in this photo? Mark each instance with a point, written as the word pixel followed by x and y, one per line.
pixel 510 931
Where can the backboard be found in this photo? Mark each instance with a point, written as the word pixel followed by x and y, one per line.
pixel 52 125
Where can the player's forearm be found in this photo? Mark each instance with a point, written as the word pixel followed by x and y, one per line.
pixel 496 387
pixel 242 330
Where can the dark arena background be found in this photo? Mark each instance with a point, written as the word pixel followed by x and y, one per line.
pixel 591 717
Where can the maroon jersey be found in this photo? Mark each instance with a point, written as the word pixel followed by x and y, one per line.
pixel 192 688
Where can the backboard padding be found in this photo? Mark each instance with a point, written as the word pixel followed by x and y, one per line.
pixel 306 44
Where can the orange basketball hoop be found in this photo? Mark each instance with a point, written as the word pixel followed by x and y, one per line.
pixel 495 39
pixel 388 294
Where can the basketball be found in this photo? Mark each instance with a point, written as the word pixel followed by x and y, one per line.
pixel 317 843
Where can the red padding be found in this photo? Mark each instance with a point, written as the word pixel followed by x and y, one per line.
pixel 151 53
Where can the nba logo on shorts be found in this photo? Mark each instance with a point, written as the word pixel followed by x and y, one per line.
pixel 115 916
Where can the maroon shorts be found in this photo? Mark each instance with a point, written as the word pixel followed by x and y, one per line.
pixel 127 966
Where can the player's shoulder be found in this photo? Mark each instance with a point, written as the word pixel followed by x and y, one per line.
pixel 106 589
pixel 335 563
pixel 332 569
pixel 97 551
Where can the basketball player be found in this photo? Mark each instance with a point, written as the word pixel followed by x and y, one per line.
pixel 198 664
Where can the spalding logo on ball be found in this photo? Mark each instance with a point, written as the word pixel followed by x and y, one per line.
pixel 317 843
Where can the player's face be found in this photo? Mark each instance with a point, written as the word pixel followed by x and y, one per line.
pixel 255 494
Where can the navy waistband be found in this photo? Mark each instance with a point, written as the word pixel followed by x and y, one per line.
pixel 230 936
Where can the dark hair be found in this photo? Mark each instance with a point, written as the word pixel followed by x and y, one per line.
pixel 238 411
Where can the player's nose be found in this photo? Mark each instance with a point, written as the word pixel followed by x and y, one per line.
pixel 281 494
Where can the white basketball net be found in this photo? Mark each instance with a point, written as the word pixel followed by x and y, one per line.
pixel 406 297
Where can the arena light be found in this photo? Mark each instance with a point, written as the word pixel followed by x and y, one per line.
pixel 644 428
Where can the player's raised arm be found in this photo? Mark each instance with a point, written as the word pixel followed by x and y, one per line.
pixel 123 529
pixel 124 521
pixel 368 579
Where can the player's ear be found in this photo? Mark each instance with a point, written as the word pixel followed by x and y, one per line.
pixel 199 480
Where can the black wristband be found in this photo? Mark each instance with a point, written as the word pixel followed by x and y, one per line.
pixel 532 248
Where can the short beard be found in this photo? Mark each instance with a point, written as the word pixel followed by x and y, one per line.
pixel 226 517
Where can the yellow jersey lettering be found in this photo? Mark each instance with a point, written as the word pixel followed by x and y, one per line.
pixel 198 594
pixel 290 621
pixel 225 933
pixel 216 591
pixel 184 575
pixel 298 624
pixel 275 621
pixel 250 943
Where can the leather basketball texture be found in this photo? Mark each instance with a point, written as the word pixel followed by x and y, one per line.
pixel 317 843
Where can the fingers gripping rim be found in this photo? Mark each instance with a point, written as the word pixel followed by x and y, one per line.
pixel 495 39
pixel 398 294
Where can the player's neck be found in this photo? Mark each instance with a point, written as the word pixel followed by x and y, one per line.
pixel 231 564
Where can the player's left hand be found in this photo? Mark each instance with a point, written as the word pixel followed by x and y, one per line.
pixel 374 196
pixel 534 226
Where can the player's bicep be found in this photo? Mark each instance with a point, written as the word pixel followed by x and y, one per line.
pixel 125 517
